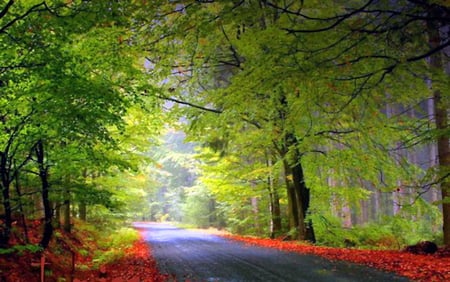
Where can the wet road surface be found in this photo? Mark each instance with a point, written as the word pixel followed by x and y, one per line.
pixel 195 256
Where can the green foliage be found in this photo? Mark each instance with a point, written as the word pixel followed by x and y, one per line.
pixel 391 232
pixel 106 243
pixel 21 249
pixel 114 245
pixel 123 238
pixel 329 231
pixel 328 90
pixel 197 208
pixel 109 256
pixel 83 252
pixel 265 85
pixel 70 79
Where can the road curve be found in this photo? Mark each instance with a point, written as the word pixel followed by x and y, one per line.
pixel 194 256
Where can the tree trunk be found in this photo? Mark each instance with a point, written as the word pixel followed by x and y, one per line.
pixel 298 200
pixel 66 224
pixel 292 202
pixel 274 202
pixel 255 211
pixel 441 120
pixel 275 213
pixel 5 230
pixel 21 209
pixel 303 199
pixel 57 209
pixel 82 209
pixel 45 185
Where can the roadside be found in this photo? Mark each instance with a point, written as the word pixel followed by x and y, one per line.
pixel 434 267
pixel 79 256
pixel 136 262
pixel 187 255
pixel 138 265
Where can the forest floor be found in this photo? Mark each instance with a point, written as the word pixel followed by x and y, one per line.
pixel 137 263
pixel 70 257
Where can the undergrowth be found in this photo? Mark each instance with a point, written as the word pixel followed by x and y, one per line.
pixel 393 232
pixel 104 245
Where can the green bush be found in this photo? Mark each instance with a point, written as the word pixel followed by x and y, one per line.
pixel 329 231
pixel 109 256
pixel 20 249
pixel 121 238
pixel 113 246
pixel 393 232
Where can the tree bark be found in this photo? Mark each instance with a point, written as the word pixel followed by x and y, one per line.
pixel 298 198
pixel 275 213
pixel 292 202
pixel 82 206
pixel 5 230
pixel 21 209
pixel 274 202
pixel 303 197
pixel 66 224
pixel 45 186
pixel 441 121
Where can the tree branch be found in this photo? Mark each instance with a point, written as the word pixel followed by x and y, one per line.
pixel 24 15
pixel 5 10
pixel 217 111
pixel 338 20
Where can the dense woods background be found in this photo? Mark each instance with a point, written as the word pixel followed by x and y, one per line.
pixel 311 120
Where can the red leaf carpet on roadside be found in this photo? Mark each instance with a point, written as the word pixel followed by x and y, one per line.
pixel 137 266
pixel 416 267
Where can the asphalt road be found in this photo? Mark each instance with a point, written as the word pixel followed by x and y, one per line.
pixel 195 256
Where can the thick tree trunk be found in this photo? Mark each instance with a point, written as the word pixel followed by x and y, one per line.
pixel 292 201
pixel 21 209
pixel 5 229
pixel 441 120
pixel 45 185
pixel 298 200
pixel 444 163
pixel 274 202
pixel 275 213
pixel 303 199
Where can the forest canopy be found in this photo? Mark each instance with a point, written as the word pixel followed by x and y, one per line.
pixel 303 119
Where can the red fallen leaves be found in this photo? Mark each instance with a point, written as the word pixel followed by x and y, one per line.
pixel 137 266
pixel 417 267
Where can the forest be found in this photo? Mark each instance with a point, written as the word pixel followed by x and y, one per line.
pixel 319 121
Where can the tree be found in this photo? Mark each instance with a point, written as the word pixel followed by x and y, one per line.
pixel 316 82
pixel 403 50
pixel 435 24
pixel 68 78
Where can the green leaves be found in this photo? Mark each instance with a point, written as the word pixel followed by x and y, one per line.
pixel 342 85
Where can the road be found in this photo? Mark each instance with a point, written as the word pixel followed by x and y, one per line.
pixel 196 256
